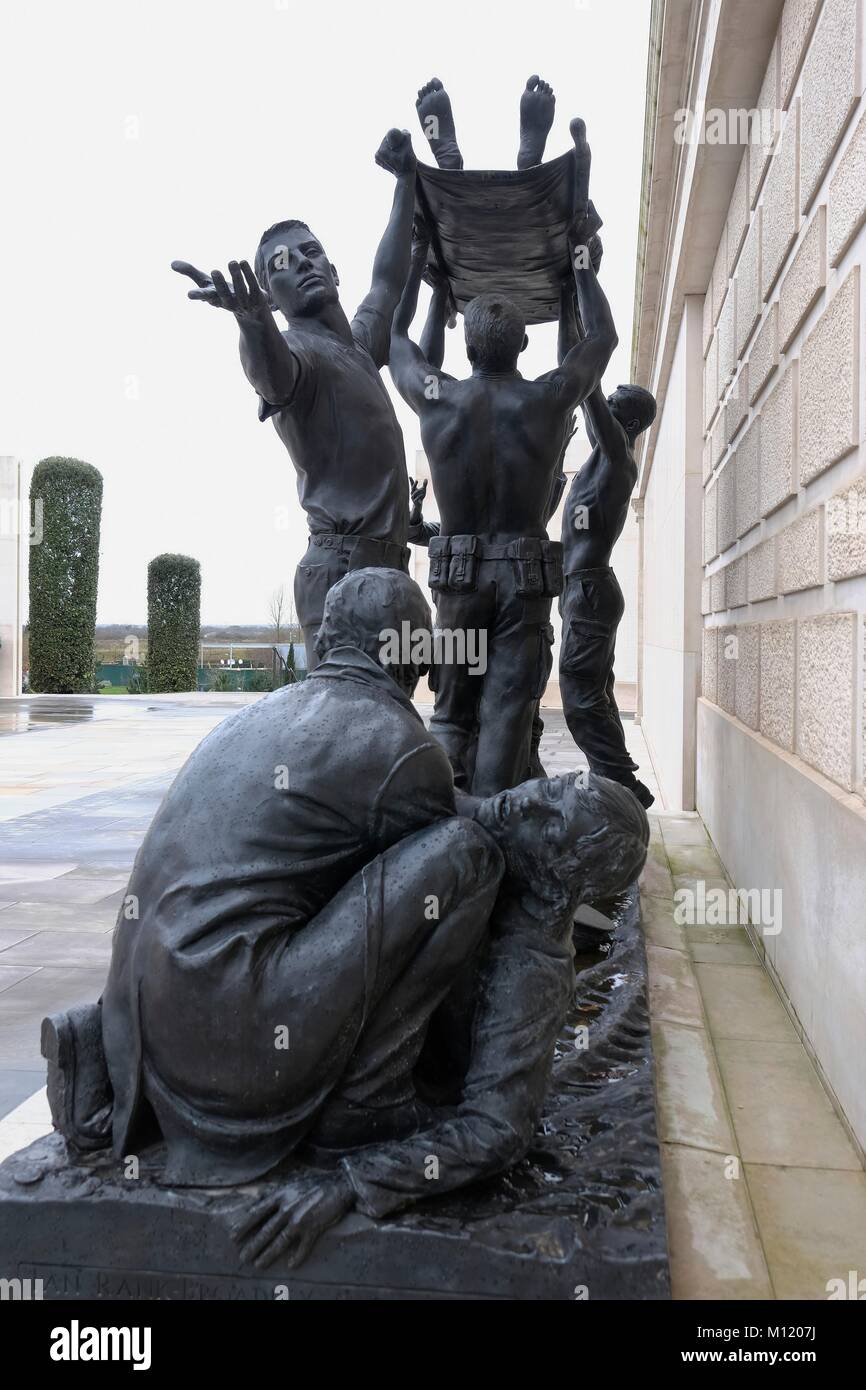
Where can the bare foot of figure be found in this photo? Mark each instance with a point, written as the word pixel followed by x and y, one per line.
pixel 437 122
pixel 537 106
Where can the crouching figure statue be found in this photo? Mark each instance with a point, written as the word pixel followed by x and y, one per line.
pixel 337 965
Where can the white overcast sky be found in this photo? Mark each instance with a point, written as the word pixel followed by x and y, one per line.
pixel 138 131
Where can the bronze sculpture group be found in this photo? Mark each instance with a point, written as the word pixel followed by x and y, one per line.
pixel 353 943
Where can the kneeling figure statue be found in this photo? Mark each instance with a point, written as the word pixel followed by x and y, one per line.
pixel 339 965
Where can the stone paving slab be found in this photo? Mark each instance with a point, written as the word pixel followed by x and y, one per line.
pixel 765 1194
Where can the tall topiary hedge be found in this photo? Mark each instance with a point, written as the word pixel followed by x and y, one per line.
pixel 173 623
pixel 64 572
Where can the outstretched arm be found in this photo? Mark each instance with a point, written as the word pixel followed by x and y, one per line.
pixel 391 264
pixel 569 337
pixel 415 376
pixel 407 308
pixel 602 427
pixel 582 367
pixel 438 316
pixel 569 330
pixel 266 357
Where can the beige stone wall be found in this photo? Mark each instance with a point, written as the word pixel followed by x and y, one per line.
pixel 784 463
pixel 780 743
pixel 671 574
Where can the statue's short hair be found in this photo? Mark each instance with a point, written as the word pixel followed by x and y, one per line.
pixel 631 402
pixel 495 329
pixel 604 851
pixel 261 264
pixel 364 604
pixel 613 856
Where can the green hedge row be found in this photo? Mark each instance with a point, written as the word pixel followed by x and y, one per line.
pixel 173 622
pixel 66 500
pixel 64 571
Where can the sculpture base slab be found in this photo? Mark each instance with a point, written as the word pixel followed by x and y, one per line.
pixel 581 1217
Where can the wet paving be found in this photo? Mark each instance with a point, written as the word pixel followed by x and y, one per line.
pixel 75 803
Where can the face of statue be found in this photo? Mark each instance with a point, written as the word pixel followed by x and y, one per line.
pixel 538 820
pixel 549 832
pixel 301 279
pixel 622 407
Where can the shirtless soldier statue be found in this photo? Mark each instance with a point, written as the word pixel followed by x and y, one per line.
pixel 320 383
pixel 592 603
pixel 495 442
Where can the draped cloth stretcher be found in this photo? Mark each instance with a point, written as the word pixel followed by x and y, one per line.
pixel 502 232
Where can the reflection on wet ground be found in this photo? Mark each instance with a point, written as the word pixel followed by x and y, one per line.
pixel 30 713
pixel 20 716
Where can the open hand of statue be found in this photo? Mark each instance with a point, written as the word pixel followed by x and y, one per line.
pixel 244 298
pixel 396 154
pixel 287 1223
pixel 417 492
pixel 584 228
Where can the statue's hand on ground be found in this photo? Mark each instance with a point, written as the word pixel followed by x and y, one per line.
pixel 287 1223
pixel 244 298
pixel 396 154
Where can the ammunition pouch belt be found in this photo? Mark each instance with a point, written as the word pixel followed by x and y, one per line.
pixel 537 564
